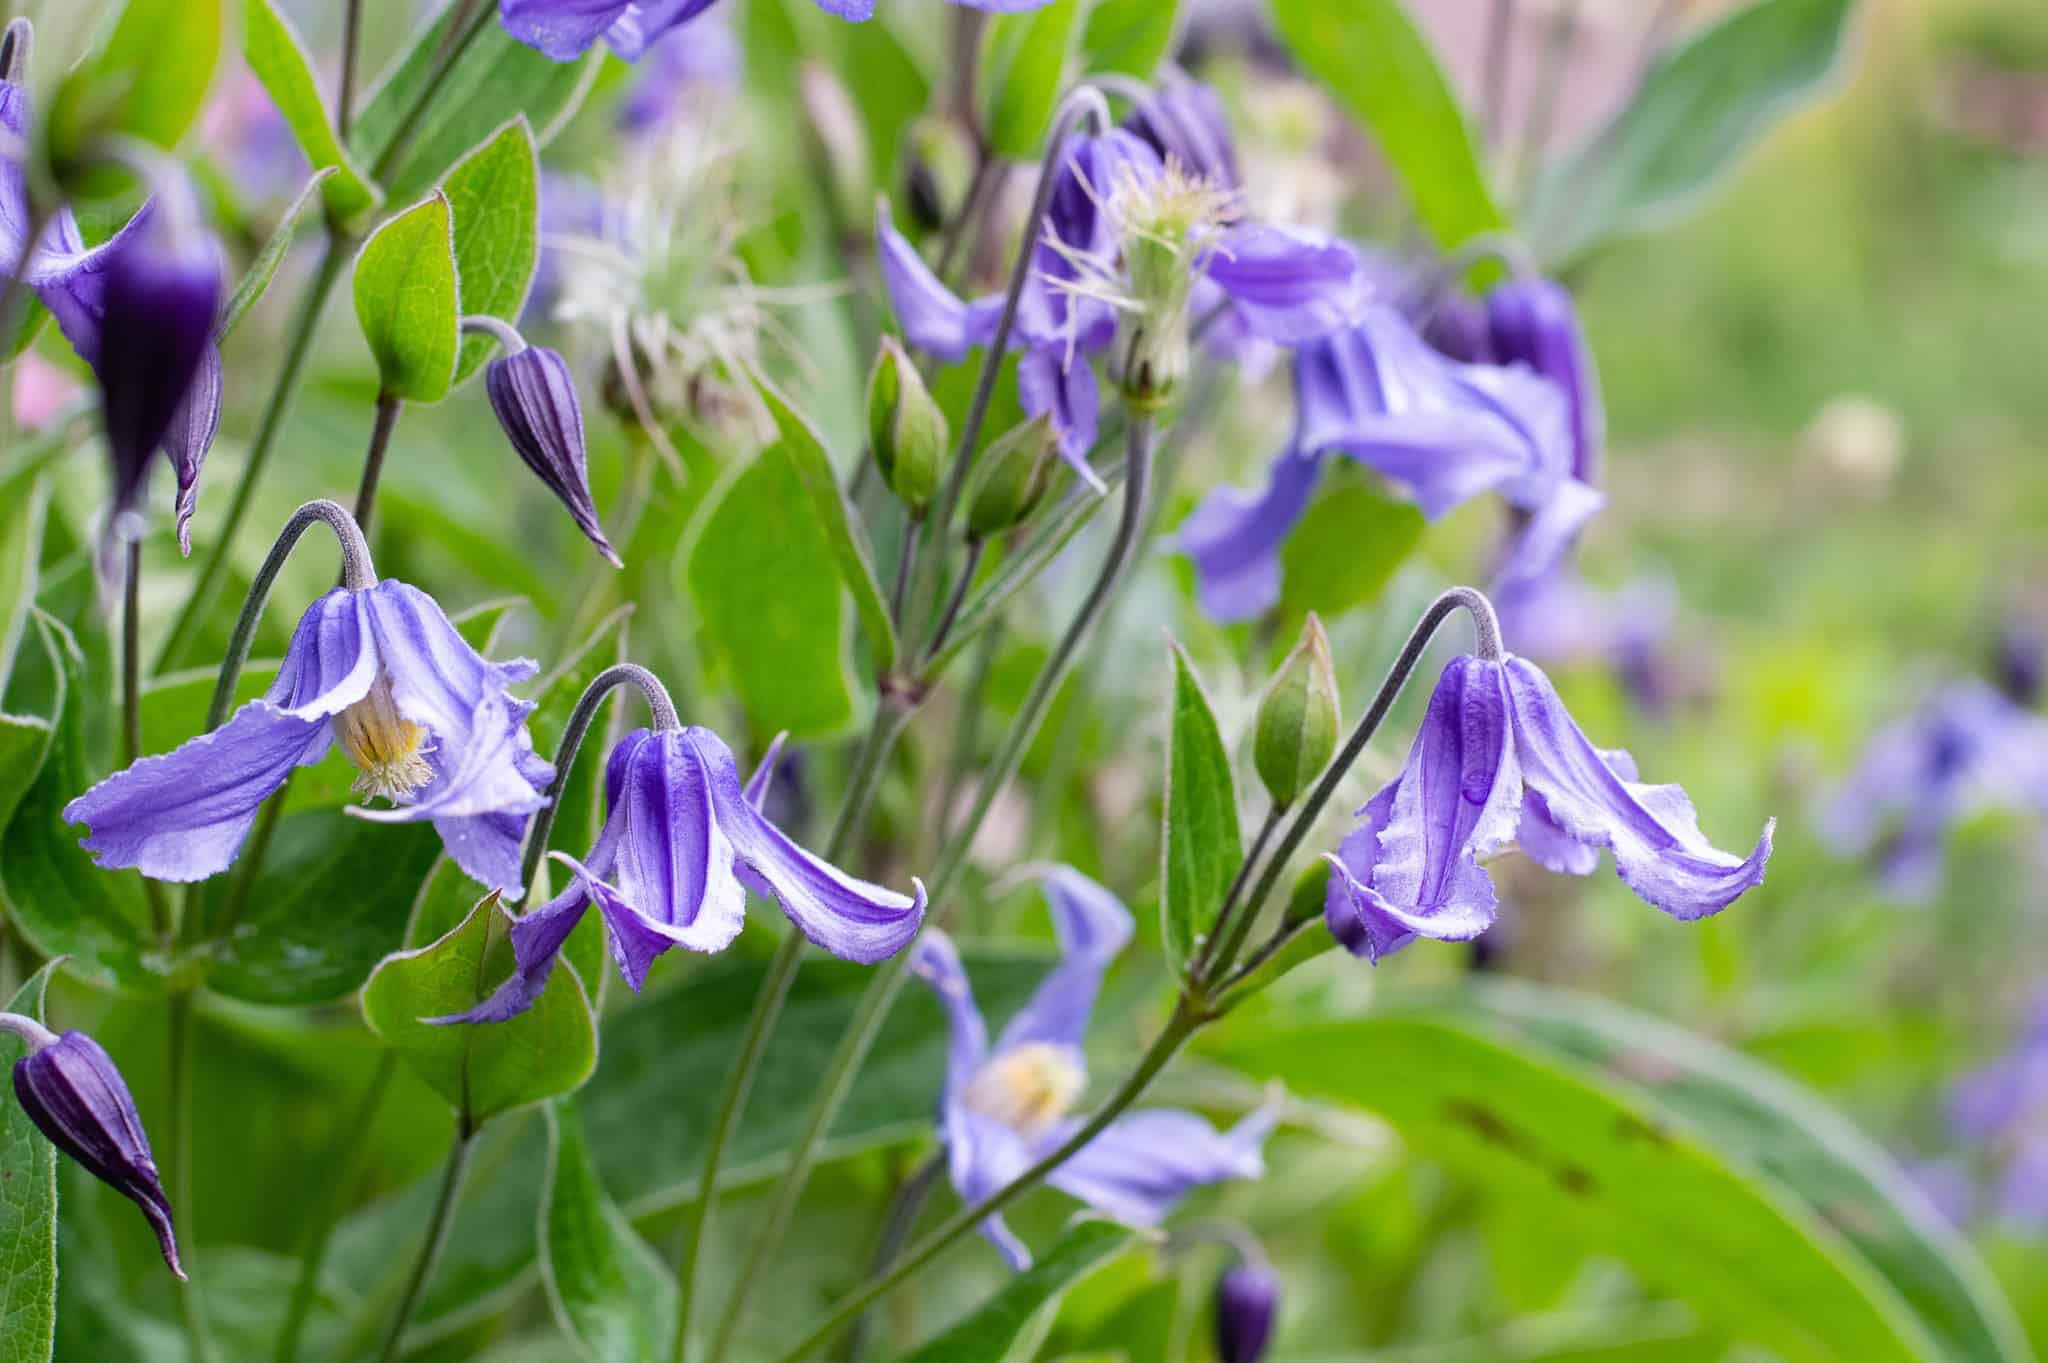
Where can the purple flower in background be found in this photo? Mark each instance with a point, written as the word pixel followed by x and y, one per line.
pixel 566 29
pixel 681 845
pixel 1531 321
pixel 427 722
pixel 1560 619
pixel 2002 1110
pixel 1247 1298
pixel 1498 759
pixel 534 395
pixel 1184 119
pixel 70 1089
pixel 1964 750
pixel 705 56
pixel 1005 1106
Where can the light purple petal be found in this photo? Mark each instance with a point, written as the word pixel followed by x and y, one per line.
pixel 647 21
pixel 637 937
pixel 1531 321
pixel 1047 385
pixel 674 857
pixel 487 848
pixel 193 428
pixel 1092 926
pixel 563 29
pixel 931 315
pixel 1653 832
pixel 1541 544
pixel 537 939
pixel 1289 287
pixel 1234 538
pixel 1144 1163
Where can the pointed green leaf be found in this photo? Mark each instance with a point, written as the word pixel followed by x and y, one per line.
pixel 1024 71
pixel 1345 551
pixel 24 504
pixel 28 1207
pixel 1202 848
pixel 1380 67
pixel 147 82
pixel 489 1068
pixel 407 301
pixel 1130 37
pixel 611 1294
pixel 495 195
pixel 256 279
pixel 276 54
pixel 994 1326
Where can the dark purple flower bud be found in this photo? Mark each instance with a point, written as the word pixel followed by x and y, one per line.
pixel 2021 663
pixel 534 395
pixel 1247 1297
pixel 1185 121
pixel 70 1089
pixel 1532 322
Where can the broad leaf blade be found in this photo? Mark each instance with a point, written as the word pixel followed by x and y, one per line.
pixel 1344 552
pixel 1202 848
pixel 146 82
pixel 407 301
pixel 495 195
pixel 276 54
pixel 28 1207
pixel 610 1292
pixel 1380 67
pixel 995 1325
pixel 1130 37
pixel 1024 69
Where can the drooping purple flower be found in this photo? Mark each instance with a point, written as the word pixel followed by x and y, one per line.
pixel 427 721
pixel 1532 321
pixel 682 843
pixel 70 1089
pixel 534 395
pixel 2001 1110
pixel 1498 759
pixel 1005 1105
pixel 1964 750
pixel 1184 119
pixel 1247 1299
pixel 566 29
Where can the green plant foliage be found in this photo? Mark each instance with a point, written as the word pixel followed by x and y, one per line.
pixel 277 55
pixel 1024 70
pixel 996 1324
pixel 494 194
pixel 407 301
pixel 1202 847
pixel 610 1292
pixel 28 1207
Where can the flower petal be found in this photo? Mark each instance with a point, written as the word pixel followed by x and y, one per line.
pixel 1288 286
pixel 193 428
pixel 647 21
pixel 562 29
pixel 1234 538
pixel 674 855
pixel 1092 926
pixel 537 939
pixel 1144 1163
pixel 1048 385
pixel 931 315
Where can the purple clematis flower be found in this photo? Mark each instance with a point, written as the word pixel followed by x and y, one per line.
pixel 534 396
pixel 1558 618
pixel 2002 1110
pixel 1498 758
pixel 682 843
pixel 428 723
pixel 566 29
pixel 1964 750
pixel 1005 1106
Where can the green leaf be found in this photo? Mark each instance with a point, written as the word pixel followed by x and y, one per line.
pixel 806 452
pixel 1024 69
pixel 495 77
pixel 1699 109
pixel 993 1326
pixel 146 82
pixel 62 903
pixel 610 1292
pixel 256 279
pixel 1201 848
pixel 331 901
pixel 767 588
pixel 1555 1141
pixel 24 507
pixel 1380 67
pixel 1130 37
pixel 495 194
pixel 28 1207
pixel 407 301
pixel 1345 551
pixel 486 1069
pixel 276 54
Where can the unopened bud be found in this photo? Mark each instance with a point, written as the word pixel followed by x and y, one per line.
pixel 534 396
pixel 1247 1298
pixel 1016 472
pixel 907 430
pixel 940 171
pixel 1298 719
pixel 842 137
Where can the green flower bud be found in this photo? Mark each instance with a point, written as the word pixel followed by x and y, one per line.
pixel 1298 719
pixel 906 427
pixel 1016 471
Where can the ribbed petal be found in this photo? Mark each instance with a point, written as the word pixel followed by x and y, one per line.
pixel 647 22
pixel 563 29
pixel 1532 322
pixel 193 427
pixel 637 938
pixel 1144 1163
pixel 537 939
pixel 1047 385
pixel 674 856
pixel 1540 545
pixel 1411 868
pixel 931 315
pixel 1234 538
pixel 1288 287
pixel 1092 926
pixel 1185 120
pixel 848 917
pixel 1652 830
pixel 534 396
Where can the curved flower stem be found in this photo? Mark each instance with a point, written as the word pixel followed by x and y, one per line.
pixel 388 408
pixel 888 978
pixel 178 1081
pixel 975 546
pixel 1484 625
pixel 298 346
pixel 357 574
pixel 660 707
pixel 891 718
pixel 1207 956
pixel 902 1219
pixel 437 1237
pixel 351 35
pixel 1182 1025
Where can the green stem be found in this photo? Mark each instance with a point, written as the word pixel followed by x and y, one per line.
pixel 1179 1028
pixel 131 656
pixel 660 709
pixel 1226 936
pixel 388 408
pixel 966 728
pixel 178 1081
pixel 896 1228
pixel 353 1159
pixel 975 547
pixel 351 40
pixel 438 1227
pixel 462 31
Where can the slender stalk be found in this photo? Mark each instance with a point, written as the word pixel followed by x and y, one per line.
pixel 298 346
pixel 131 656
pixel 1179 1028
pixel 961 584
pixel 469 20
pixel 966 728
pixel 660 708
pixel 1547 90
pixel 248 867
pixel 906 564
pixel 353 1159
pixel 902 1219
pixel 970 207
pixel 437 1238
pixel 178 1082
pixel 1211 954
pixel 888 978
pixel 351 39
pixel 388 408
pixel 1500 43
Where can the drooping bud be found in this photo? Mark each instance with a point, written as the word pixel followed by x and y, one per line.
pixel 1016 472
pixel 70 1089
pixel 1247 1298
pixel 906 427
pixel 1531 321
pixel 1185 120
pixel 1298 719
pixel 534 395
pixel 940 170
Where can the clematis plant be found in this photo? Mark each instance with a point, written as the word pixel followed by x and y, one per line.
pixel 566 29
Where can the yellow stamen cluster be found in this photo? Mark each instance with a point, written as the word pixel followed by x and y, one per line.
pixel 387 748
pixel 1027 1088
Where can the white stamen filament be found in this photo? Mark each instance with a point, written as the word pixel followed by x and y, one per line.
pixel 1029 1087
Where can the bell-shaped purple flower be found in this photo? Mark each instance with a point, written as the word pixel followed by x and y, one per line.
pixel 1532 321
pixel 427 721
pixel 534 395
pixel 1184 119
pixel 566 29
pixel 682 843
pixel 1498 759
pixel 70 1089
pixel 1247 1299
pixel 1005 1106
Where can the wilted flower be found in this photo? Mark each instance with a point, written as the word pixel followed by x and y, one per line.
pixel 1964 750
pixel 1006 1106
pixel 534 396
pixel 70 1089
pixel 427 722
pixel 1247 1298
pixel 1498 759
pixel 2002 1110
pixel 681 845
